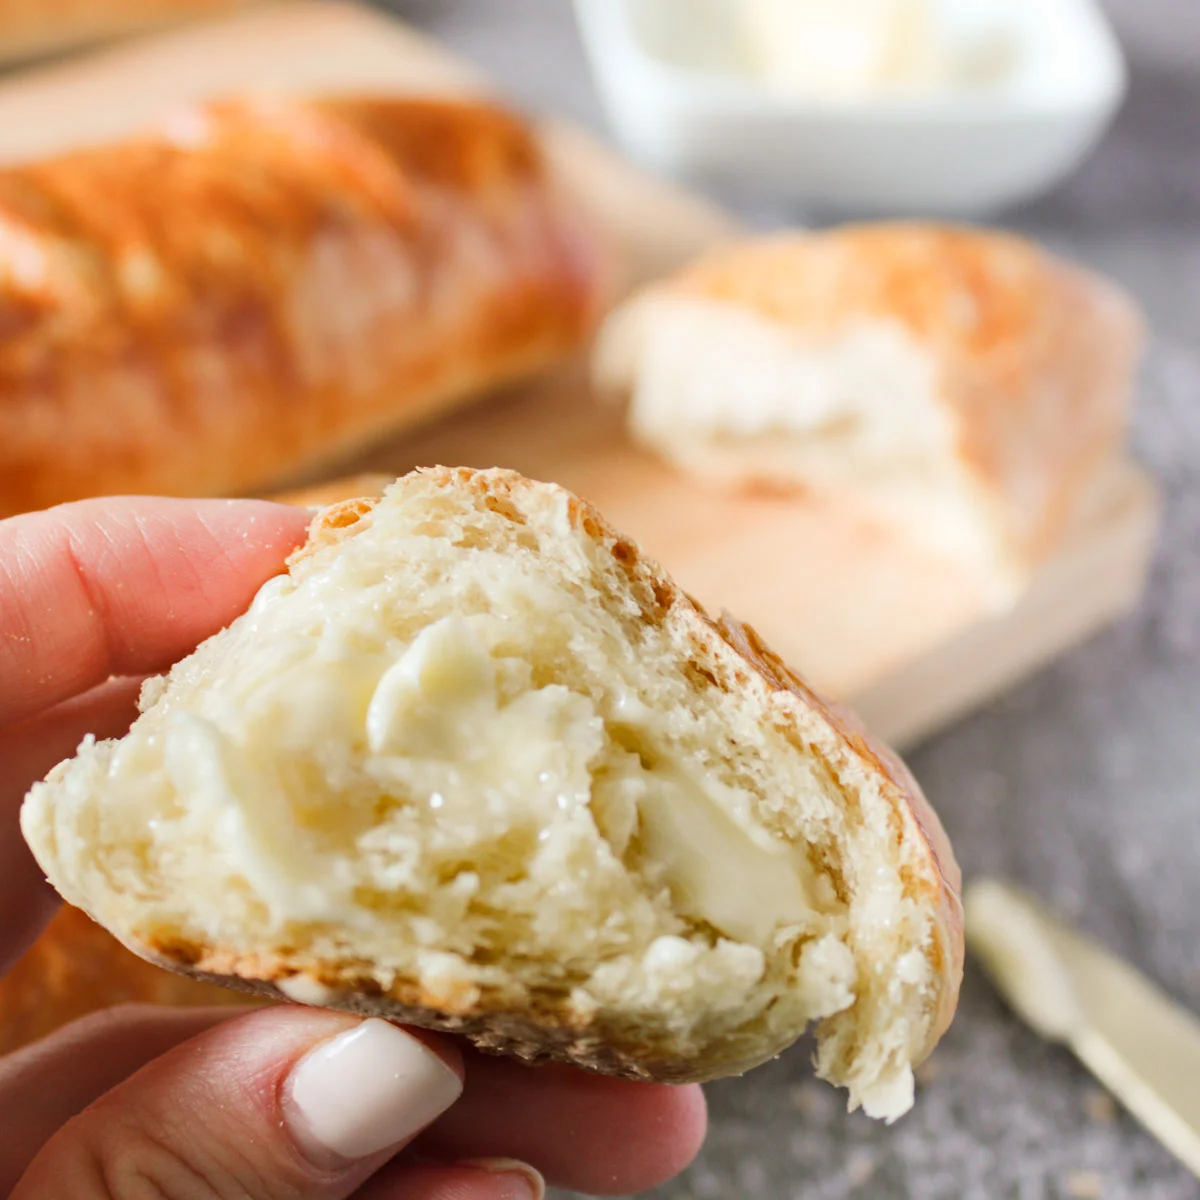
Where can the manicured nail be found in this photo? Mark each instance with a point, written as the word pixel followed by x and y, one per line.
pixel 370 1089
pixel 524 1183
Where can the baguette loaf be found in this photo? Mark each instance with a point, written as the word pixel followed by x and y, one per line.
pixel 31 27
pixel 264 285
pixel 475 764
pixel 334 491
pixel 963 386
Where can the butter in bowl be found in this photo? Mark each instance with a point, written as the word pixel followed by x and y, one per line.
pixel 939 107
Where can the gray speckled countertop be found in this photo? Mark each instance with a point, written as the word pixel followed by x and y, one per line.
pixel 1084 782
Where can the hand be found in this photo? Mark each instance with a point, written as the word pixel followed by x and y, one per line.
pixel 282 1102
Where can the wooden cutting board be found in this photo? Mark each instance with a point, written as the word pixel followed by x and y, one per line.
pixel 900 634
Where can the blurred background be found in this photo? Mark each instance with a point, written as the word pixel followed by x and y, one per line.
pixel 1083 781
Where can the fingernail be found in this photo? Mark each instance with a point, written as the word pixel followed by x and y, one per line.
pixel 371 1088
pixel 524 1182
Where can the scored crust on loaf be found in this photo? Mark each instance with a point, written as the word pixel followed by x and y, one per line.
pixel 261 286
pixel 477 764
pixel 962 385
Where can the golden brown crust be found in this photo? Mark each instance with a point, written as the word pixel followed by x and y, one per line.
pixel 266 284
pixel 29 27
pixel 544 1030
pixel 548 1027
pixel 331 525
pixel 1034 355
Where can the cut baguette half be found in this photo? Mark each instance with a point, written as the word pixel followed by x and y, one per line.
pixel 960 386
pixel 476 764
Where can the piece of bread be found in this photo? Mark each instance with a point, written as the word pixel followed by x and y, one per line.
pixel 476 764
pixel 32 27
pixel 263 285
pixel 963 386
pixel 76 968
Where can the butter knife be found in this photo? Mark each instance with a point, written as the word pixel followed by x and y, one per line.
pixel 1141 1045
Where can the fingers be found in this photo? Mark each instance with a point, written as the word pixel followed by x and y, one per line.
pixel 284 1103
pixel 125 586
pixel 27 751
pixel 587 1133
pixel 484 1179
pixel 44 1085
pixel 583 1132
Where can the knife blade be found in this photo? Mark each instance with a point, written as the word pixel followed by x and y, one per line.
pixel 1140 1044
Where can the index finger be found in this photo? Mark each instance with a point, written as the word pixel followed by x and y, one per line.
pixel 125 586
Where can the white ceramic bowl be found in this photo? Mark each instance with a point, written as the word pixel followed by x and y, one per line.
pixel 677 104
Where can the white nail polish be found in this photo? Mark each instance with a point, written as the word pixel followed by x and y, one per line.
pixel 369 1089
pixel 534 1184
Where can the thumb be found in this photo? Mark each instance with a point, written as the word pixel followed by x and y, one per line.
pixel 285 1103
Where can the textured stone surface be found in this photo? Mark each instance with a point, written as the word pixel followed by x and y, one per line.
pixel 1083 782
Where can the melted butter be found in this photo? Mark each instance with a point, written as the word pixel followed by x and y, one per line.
pixel 745 887
pixel 440 694
pixel 438 724
pixel 267 852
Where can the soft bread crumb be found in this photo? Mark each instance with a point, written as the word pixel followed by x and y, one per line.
pixel 473 757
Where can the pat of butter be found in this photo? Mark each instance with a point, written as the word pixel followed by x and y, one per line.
pixel 843 48
pixel 745 888
pixel 853 49
pixel 425 701
pixel 440 728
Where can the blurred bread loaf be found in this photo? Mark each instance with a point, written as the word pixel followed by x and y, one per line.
pixel 263 285
pixel 475 763
pixel 32 27
pixel 964 386
pixel 334 491
pixel 76 968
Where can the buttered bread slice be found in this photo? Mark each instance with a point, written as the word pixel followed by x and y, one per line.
pixel 475 764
